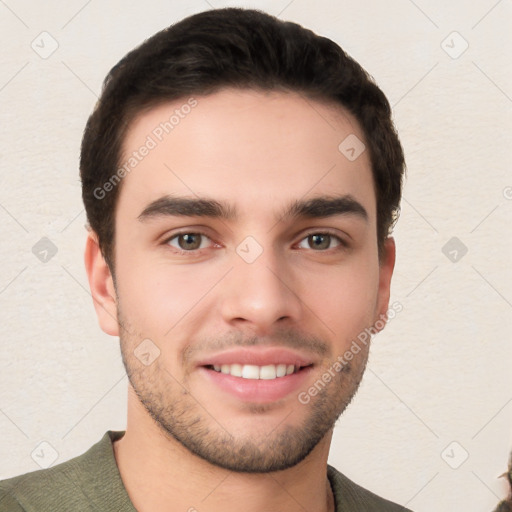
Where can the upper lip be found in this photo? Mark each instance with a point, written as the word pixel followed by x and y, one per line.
pixel 258 356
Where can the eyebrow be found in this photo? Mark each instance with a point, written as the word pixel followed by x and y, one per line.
pixel 318 207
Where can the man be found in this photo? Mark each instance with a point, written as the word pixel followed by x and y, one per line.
pixel 240 176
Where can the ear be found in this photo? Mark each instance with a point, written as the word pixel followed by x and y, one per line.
pixel 386 266
pixel 101 284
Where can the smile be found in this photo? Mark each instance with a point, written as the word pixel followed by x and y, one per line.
pixel 262 374
pixel 250 371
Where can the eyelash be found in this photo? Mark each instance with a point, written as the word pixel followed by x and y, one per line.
pixel 342 244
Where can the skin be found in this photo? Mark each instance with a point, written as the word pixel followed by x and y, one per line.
pixel 257 153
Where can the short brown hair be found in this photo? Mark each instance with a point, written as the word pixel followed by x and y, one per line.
pixel 241 48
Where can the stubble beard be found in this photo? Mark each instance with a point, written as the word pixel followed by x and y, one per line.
pixel 182 418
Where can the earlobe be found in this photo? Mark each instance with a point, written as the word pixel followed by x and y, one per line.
pixel 102 286
pixel 386 267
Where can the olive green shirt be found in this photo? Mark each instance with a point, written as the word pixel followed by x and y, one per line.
pixel 91 482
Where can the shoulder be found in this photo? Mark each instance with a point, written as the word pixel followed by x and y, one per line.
pixel 350 497
pixel 7 502
pixel 69 484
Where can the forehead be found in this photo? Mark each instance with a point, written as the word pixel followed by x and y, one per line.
pixel 247 148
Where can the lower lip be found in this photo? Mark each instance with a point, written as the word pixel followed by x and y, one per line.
pixel 258 390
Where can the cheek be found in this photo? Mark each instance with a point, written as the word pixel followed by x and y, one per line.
pixel 345 300
pixel 156 297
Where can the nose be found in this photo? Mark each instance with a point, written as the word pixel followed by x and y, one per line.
pixel 260 295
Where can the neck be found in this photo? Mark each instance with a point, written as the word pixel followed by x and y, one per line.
pixel 160 474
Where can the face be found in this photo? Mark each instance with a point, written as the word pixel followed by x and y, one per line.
pixel 246 263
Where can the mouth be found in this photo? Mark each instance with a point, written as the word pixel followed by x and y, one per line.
pixel 257 375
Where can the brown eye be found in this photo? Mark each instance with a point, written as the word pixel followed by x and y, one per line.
pixel 320 241
pixel 187 241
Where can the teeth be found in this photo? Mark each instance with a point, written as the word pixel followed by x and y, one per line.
pixel 281 370
pixel 268 372
pixel 251 371
pixel 236 370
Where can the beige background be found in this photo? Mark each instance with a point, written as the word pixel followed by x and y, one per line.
pixel 438 375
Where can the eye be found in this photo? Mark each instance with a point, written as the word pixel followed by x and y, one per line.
pixel 188 241
pixel 321 241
